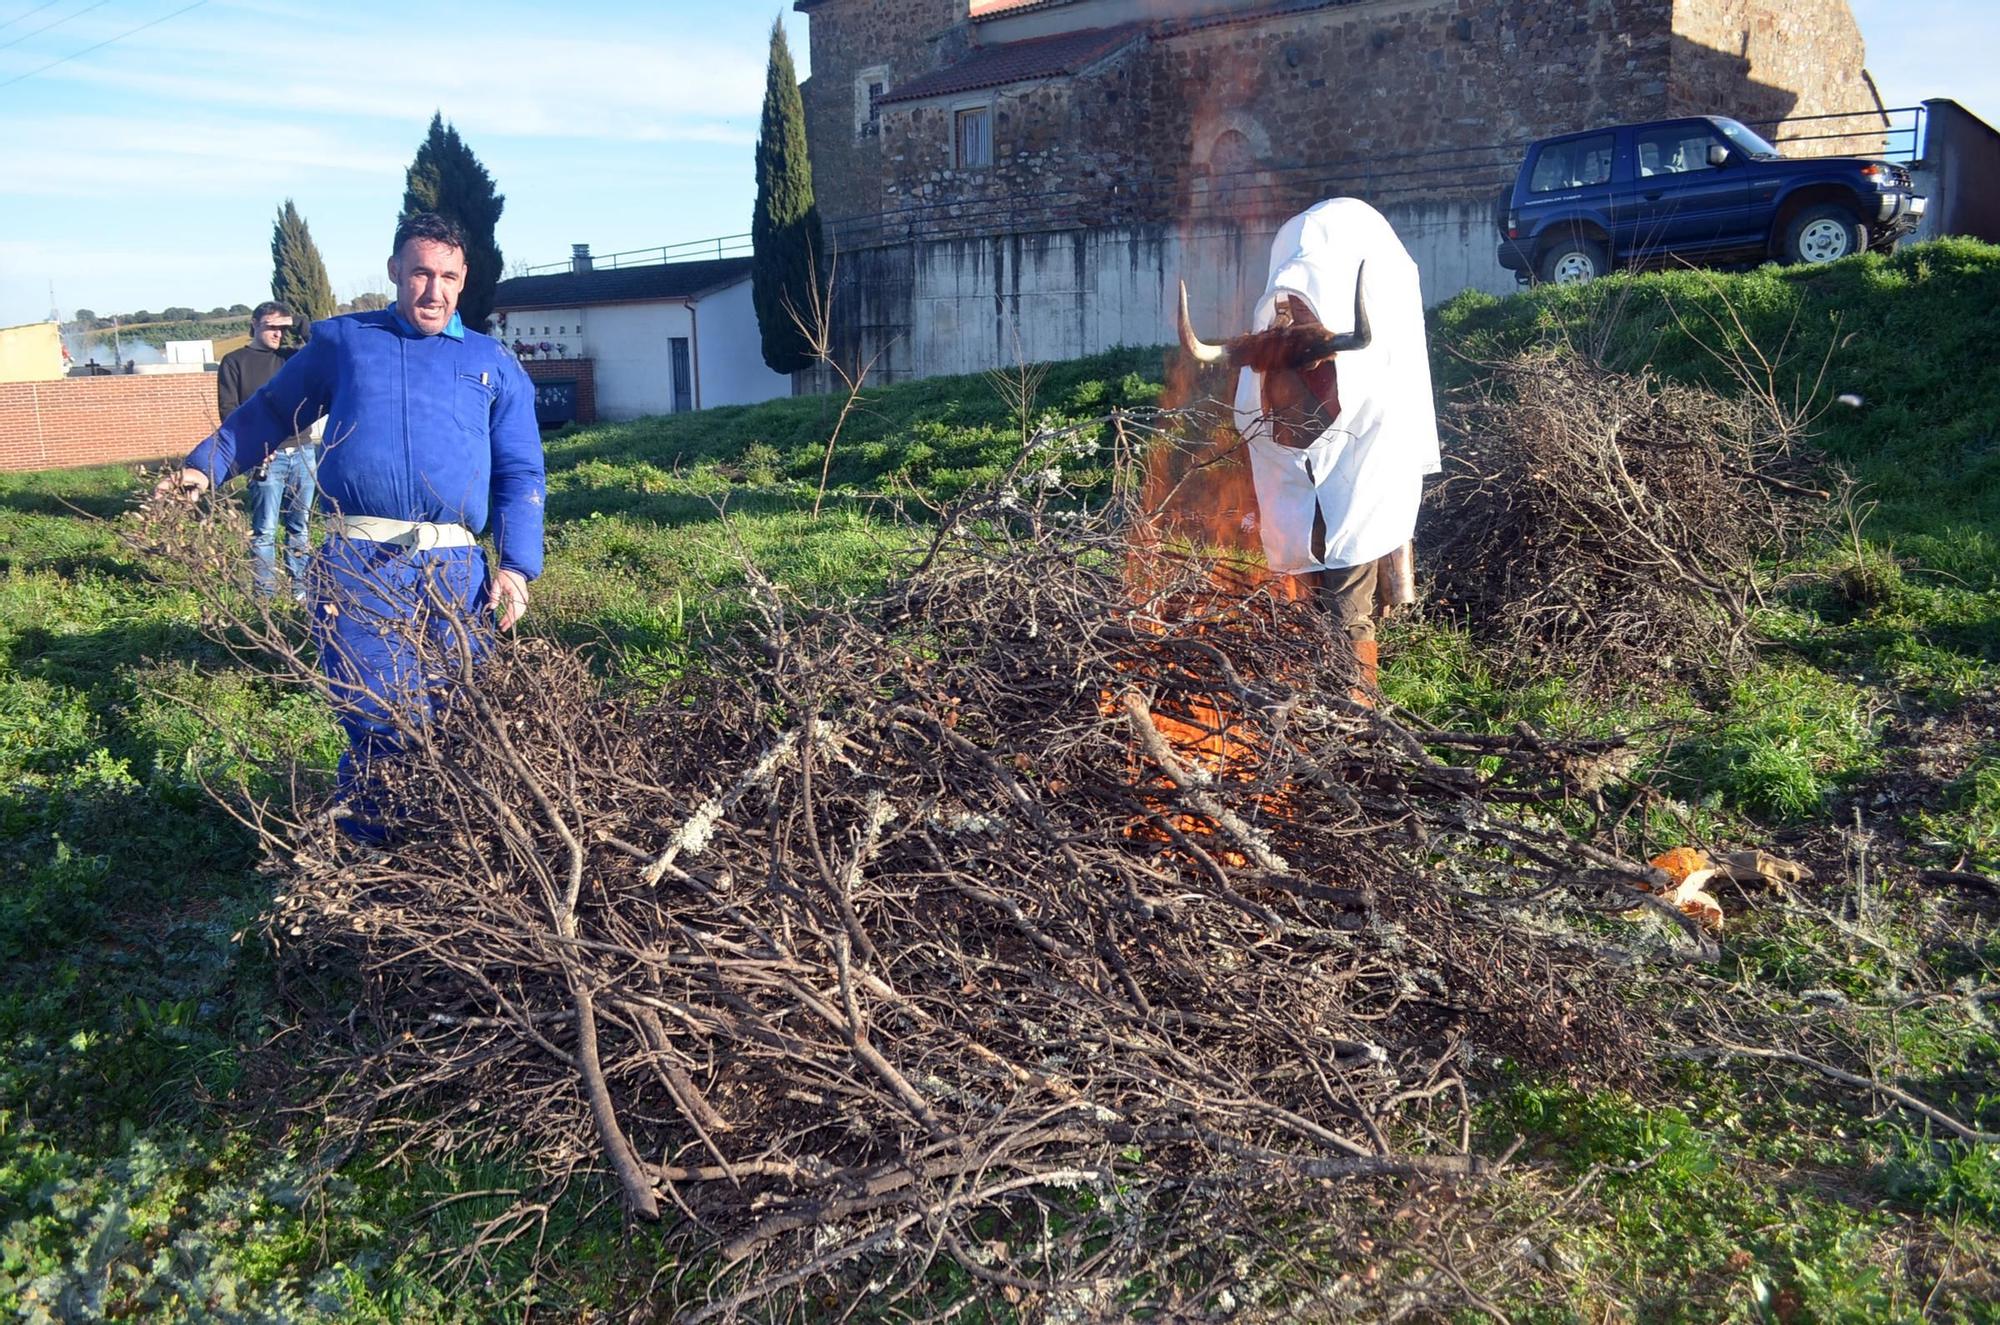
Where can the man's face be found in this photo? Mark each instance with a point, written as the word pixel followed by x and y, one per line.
pixel 428 277
pixel 270 329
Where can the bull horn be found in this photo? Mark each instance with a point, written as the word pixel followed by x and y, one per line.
pixel 1197 349
pixel 1358 338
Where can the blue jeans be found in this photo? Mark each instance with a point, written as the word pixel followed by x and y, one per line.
pixel 286 489
pixel 393 629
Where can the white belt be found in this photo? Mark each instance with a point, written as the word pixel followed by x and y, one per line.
pixel 417 535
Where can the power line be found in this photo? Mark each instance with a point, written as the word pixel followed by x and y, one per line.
pixel 50 27
pixel 73 55
pixel 30 13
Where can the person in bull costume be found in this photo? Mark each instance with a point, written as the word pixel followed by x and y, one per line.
pixel 430 438
pixel 1340 425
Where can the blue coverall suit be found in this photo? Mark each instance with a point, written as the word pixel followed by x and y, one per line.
pixel 433 428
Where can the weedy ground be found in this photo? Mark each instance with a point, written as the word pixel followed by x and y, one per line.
pixel 136 1018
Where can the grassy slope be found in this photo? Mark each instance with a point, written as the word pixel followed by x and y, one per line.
pixel 125 1006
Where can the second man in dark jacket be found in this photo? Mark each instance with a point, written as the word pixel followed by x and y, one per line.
pixel 282 487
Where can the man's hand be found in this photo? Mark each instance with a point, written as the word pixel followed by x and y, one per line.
pixel 508 595
pixel 183 486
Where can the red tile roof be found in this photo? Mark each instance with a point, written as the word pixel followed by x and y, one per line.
pixel 1020 61
pixel 1230 17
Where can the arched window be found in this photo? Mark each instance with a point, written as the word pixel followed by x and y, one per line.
pixel 1232 166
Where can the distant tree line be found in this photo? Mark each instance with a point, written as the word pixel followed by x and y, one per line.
pixel 235 314
pixel 86 320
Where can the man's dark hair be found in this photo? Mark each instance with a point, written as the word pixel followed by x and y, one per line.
pixel 269 308
pixel 428 225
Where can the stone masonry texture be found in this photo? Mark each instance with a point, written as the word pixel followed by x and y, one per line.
pixel 1259 116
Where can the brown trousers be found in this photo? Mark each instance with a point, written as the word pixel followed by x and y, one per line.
pixel 1358 596
pixel 1348 596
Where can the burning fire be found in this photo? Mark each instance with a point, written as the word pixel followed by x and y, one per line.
pixel 1201 506
pixel 1200 499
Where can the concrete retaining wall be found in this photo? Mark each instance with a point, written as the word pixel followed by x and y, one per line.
pixel 968 305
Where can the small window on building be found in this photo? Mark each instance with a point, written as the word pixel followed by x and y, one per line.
pixel 974 132
pixel 870 86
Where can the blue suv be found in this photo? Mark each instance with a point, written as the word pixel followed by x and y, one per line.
pixel 1704 190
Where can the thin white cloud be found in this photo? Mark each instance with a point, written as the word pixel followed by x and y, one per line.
pixel 101 156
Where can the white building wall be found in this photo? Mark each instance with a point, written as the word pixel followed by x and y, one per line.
pixel 970 305
pixel 732 369
pixel 631 344
pixel 560 327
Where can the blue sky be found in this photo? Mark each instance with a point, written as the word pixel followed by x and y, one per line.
pixel 147 172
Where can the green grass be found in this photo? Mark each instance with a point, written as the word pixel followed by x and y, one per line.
pixel 132 1179
pixel 1910 333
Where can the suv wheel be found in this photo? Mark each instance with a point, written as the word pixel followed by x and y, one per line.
pixel 1826 233
pixel 1573 261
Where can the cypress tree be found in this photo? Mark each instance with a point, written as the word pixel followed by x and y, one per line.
pixel 298 276
pixel 787 258
pixel 447 178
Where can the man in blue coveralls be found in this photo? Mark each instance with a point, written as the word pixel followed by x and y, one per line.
pixel 430 434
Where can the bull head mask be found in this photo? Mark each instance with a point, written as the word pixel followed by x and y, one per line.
pixel 1287 345
pixel 1298 386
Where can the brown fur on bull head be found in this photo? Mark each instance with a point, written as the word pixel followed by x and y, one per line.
pixel 1285 346
pixel 1298 383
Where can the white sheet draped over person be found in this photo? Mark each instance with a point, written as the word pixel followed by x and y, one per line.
pixel 1334 403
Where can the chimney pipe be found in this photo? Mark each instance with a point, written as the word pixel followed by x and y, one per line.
pixel 579 257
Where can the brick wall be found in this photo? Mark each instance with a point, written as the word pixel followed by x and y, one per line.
pixel 103 420
pixel 583 372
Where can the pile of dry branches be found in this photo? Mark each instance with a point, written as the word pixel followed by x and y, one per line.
pixel 1612 525
pixel 1055 912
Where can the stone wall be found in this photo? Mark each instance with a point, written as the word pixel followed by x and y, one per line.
pixel 1254 112
pixel 908 38
pixel 1183 150
pixel 79 421
pixel 1762 60
pixel 1223 115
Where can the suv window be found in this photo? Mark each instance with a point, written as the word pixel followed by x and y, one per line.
pixel 1573 164
pixel 1675 150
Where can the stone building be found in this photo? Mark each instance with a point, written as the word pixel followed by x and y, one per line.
pixel 1010 178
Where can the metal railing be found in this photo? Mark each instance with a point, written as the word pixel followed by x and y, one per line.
pixel 693 250
pixel 1890 136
